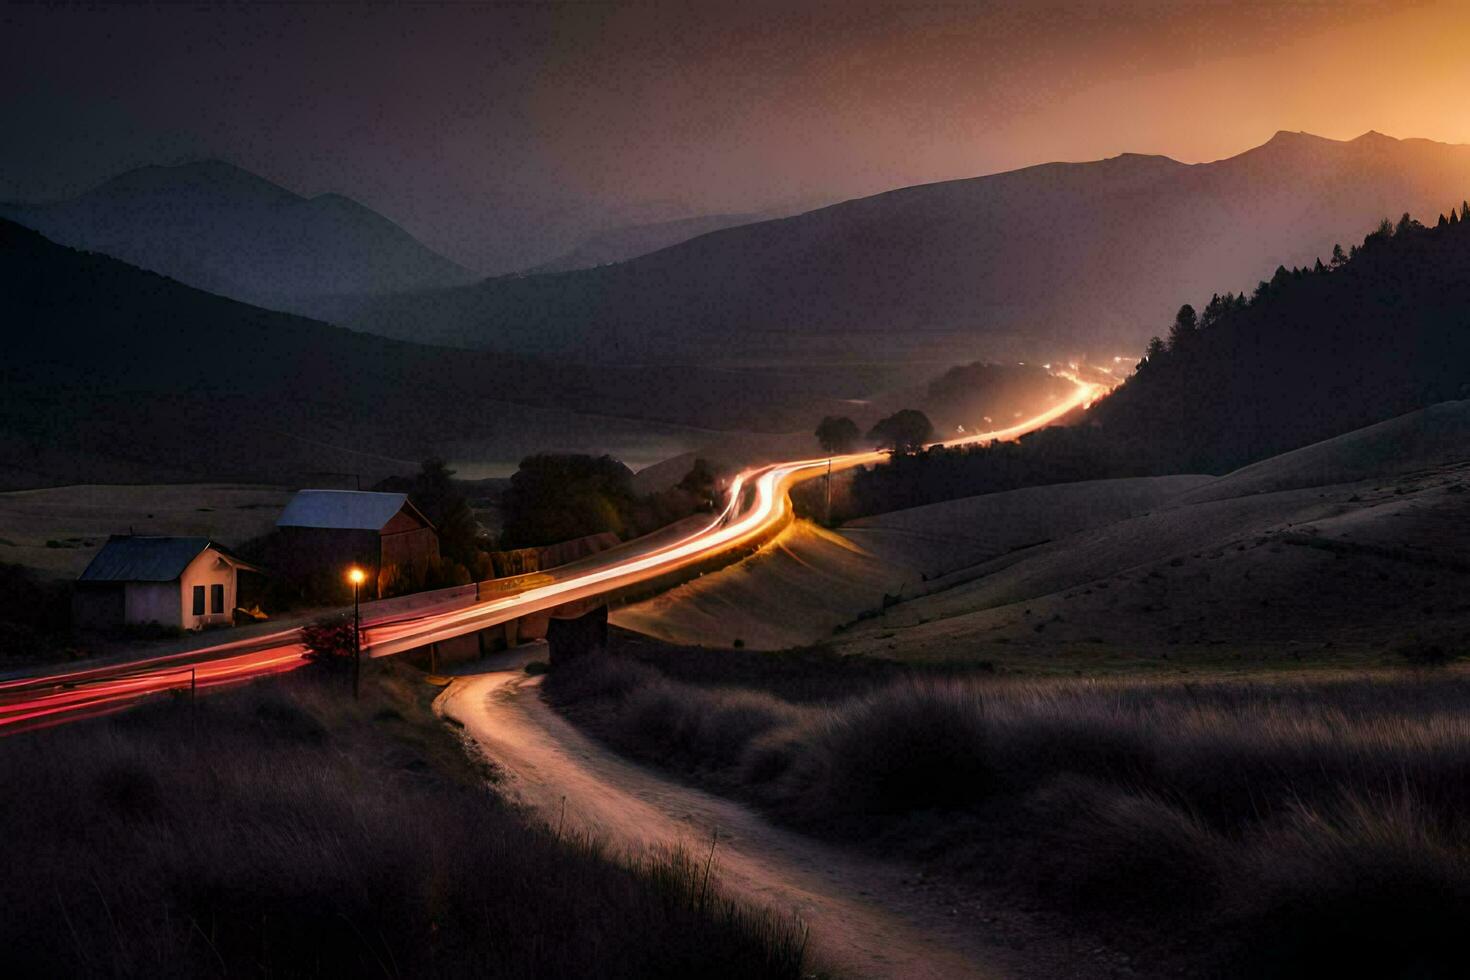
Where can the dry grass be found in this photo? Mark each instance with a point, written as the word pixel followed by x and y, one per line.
pixel 78 519
pixel 1312 824
pixel 287 831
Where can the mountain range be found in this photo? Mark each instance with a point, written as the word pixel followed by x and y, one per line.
pixel 1057 258
pixel 114 374
pixel 220 228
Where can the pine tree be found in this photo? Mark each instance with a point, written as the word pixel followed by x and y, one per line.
pixel 1319 267
pixel 1339 258
pixel 1443 221
pixel 1214 310
pixel 1186 325
pixel 1454 218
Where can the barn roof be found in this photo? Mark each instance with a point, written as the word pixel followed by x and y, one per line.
pixel 360 510
pixel 143 558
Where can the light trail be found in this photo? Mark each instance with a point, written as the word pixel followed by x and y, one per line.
pixel 50 698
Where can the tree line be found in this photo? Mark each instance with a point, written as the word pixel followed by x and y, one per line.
pixel 1377 330
pixel 905 431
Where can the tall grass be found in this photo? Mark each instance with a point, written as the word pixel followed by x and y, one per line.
pixel 1312 823
pixel 285 832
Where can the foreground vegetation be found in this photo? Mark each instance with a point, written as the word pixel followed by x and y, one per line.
pixel 286 830
pixel 1277 827
pixel 35 615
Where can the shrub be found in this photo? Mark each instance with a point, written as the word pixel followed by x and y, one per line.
pixel 331 642
pixel 1367 887
pixel 599 678
pixel 1421 654
pixel 35 613
pixel 1102 850
pixel 664 719
pixel 914 746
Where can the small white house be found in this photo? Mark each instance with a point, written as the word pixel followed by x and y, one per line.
pixel 190 583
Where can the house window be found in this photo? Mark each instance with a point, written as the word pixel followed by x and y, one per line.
pixel 199 600
pixel 216 599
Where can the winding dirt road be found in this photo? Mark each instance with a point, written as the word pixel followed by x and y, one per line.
pixel 865 919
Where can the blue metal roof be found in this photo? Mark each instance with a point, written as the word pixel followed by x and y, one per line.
pixel 361 510
pixel 135 558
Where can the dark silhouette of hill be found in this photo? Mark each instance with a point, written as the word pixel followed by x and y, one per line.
pixel 631 241
pixel 1056 258
pixel 222 229
pixel 1314 353
pixel 115 374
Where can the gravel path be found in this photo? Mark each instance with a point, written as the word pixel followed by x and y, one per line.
pixel 865 918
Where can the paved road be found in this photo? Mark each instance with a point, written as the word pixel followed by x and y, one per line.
pixel 757 504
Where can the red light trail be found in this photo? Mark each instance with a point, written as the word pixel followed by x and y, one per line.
pixel 758 503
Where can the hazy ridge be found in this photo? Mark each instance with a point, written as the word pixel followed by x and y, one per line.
pixel 1065 256
pixel 223 229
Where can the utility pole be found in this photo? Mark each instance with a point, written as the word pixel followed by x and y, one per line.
pixel 829 491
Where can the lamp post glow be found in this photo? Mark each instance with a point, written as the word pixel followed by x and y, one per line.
pixel 356 576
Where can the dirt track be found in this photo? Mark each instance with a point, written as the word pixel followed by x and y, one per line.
pixel 865 919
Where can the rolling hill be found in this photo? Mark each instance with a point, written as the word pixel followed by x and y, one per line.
pixel 1351 545
pixel 1362 550
pixel 1059 258
pixel 225 230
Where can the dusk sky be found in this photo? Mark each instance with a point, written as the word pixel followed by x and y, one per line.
pixel 500 133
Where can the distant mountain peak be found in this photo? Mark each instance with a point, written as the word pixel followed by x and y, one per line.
pixel 1374 136
pixel 213 167
pixel 1145 157
pixel 221 228
pixel 1286 137
pixel 216 176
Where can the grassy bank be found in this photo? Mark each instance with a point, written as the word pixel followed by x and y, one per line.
pixel 286 830
pixel 1272 827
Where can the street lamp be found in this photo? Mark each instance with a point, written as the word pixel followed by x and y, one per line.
pixel 356 576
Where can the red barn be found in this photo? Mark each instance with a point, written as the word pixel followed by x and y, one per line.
pixel 325 531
